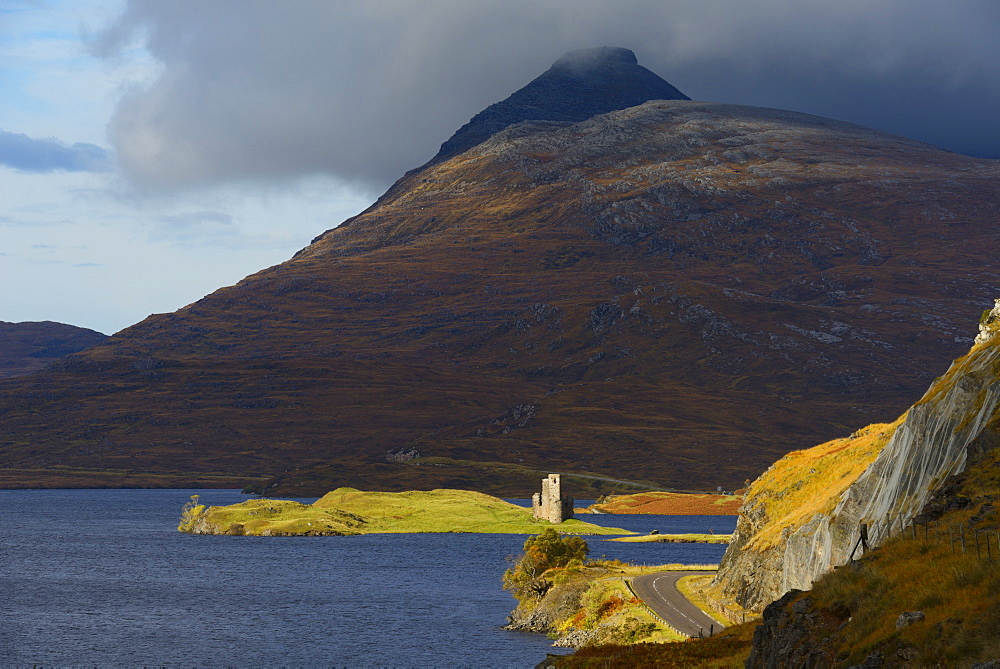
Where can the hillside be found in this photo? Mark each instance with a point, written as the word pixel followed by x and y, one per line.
pixel 678 292
pixel 804 516
pixel 29 346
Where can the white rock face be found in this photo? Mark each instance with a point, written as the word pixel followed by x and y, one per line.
pixel 990 324
pixel 934 442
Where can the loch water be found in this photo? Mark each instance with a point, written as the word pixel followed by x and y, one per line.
pixel 102 577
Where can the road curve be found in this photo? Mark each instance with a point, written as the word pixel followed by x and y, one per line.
pixel 659 592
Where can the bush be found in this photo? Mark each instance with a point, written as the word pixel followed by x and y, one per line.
pixel 548 550
pixel 190 513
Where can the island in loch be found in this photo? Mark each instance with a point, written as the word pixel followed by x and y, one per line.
pixel 349 511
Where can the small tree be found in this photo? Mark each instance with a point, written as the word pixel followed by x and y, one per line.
pixel 545 551
pixel 191 512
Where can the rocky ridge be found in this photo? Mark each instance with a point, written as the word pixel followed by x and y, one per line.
pixel 957 420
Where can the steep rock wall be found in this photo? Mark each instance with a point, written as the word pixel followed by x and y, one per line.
pixel 956 417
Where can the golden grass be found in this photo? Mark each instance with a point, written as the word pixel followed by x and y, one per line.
pixel 445 511
pixel 693 587
pixel 726 650
pixel 957 593
pixel 805 483
pixel 610 601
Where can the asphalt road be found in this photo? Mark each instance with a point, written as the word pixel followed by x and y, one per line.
pixel 659 592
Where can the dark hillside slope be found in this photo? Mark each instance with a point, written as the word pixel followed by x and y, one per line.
pixel 678 292
pixel 29 346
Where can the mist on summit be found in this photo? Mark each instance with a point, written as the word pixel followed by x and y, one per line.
pixel 581 84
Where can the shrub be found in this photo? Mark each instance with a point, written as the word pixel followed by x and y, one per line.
pixel 545 551
pixel 191 512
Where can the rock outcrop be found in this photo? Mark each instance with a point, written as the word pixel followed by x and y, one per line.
pixel 956 419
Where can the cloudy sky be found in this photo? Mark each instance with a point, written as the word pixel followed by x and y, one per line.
pixel 153 151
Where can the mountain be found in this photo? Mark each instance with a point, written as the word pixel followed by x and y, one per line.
pixel 28 347
pixel 581 84
pixel 677 292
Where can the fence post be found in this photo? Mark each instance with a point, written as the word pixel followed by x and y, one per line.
pixel 975 534
pixel 961 534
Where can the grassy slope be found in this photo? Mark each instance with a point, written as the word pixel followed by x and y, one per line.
pixel 610 610
pixel 351 511
pixel 727 649
pixel 672 503
pixel 805 483
pixel 958 592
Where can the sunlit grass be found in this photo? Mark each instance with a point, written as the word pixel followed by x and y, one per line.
pixel 956 591
pixel 351 511
pixel 693 587
pixel 805 483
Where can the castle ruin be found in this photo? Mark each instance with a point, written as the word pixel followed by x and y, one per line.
pixel 550 505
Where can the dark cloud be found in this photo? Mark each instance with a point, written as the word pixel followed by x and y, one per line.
pixel 252 89
pixel 50 155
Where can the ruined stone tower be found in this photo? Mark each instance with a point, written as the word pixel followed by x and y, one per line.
pixel 550 505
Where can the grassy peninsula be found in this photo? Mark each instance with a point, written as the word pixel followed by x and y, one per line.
pixel 348 511
pixel 662 502
pixel 676 539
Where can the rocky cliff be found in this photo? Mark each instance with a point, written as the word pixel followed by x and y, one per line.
pixel 958 418
pixel 677 292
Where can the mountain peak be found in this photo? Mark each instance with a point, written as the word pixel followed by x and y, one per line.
pixel 595 57
pixel 580 84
